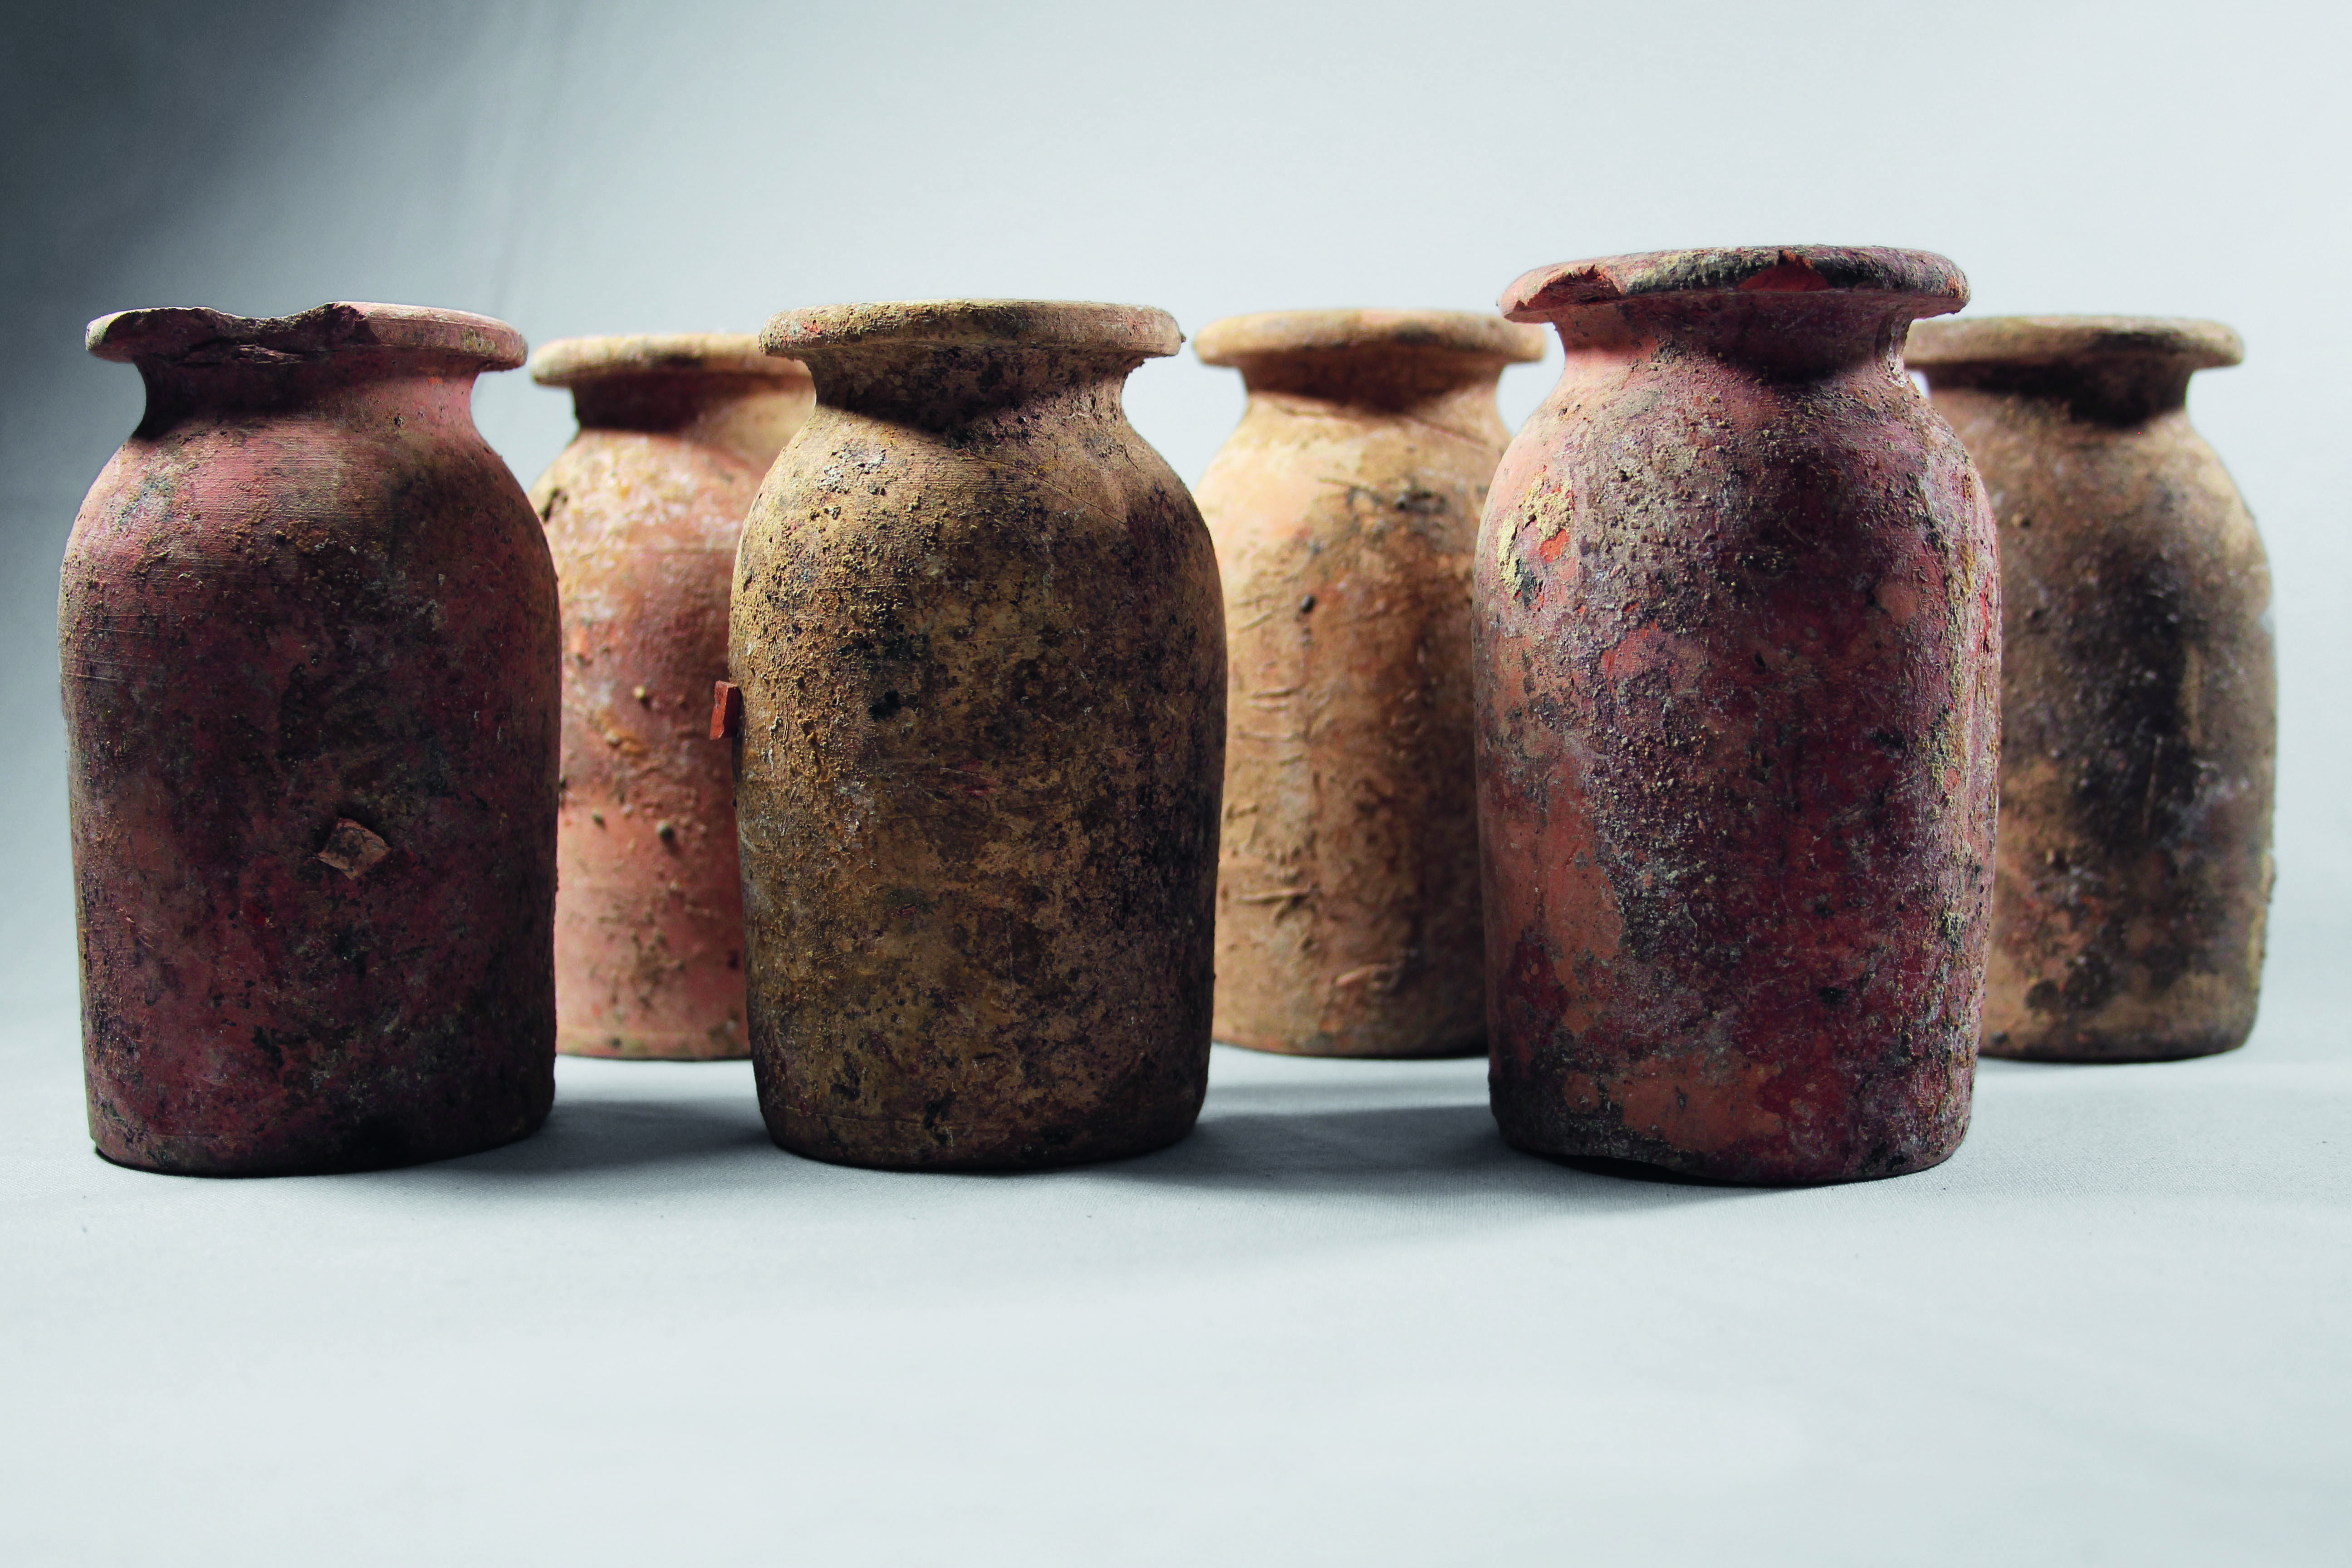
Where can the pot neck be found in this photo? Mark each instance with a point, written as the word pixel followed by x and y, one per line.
pixel 948 386
pixel 1452 390
pixel 2110 370
pixel 343 385
pixel 332 359
pixel 1789 337
pixel 1795 313
pixel 2107 390
pixel 750 417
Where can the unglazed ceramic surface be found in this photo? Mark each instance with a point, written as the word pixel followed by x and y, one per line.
pixel 643 511
pixel 977 629
pixel 308 634
pixel 1737 666
pixel 2139 699
pixel 1345 509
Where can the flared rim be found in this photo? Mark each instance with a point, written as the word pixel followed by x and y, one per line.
pixel 1466 332
pixel 194 335
pixel 2058 340
pixel 1137 331
pixel 568 362
pixel 1930 283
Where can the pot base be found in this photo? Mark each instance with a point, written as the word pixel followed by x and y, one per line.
pixel 2133 1048
pixel 367 1149
pixel 823 1138
pixel 1324 1046
pixel 1671 1164
pixel 667 1046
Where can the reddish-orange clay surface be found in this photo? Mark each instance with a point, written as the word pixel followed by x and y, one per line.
pixel 643 511
pixel 307 630
pixel 1737 666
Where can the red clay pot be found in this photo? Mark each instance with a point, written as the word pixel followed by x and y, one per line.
pixel 981 652
pixel 2139 701
pixel 1737 669
pixel 643 511
pixel 1345 509
pixel 308 634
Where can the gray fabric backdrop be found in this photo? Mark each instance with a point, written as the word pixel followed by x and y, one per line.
pixel 601 167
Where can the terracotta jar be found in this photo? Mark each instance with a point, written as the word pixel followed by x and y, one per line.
pixel 1738 671
pixel 1345 509
pixel 307 630
pixel 2138 691
pixel 643 511
pixel 981 650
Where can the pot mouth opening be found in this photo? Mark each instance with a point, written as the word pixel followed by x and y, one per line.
pixel 195 336
pixel 1113 332
pixel 1464 333
pixel 569 362
pixel 1918 281
pixel 2062 340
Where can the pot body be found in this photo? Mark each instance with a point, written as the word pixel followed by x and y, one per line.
pixel 643 511
pixel 1345 509
pixel 1738 664
pixel 308 628
pixel 2139 698
pixel 977 629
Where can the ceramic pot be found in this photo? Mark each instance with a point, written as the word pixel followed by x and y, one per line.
pixel 980 644
pixel 2138 691
pixel 308 635
pixel 643 511
pixel 1345 509
pixel 1737 672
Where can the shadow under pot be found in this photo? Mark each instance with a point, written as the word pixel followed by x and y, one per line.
pixel 2139 696
pixel 643 511
pixel 308 637
pixel 1737 666
pixel 980 644
pixel 1345 509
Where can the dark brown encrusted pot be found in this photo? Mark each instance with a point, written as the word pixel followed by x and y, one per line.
pixel 2137 688
pixel 1738 669
pixel 978 633
pixel 1345 509
pixel 307 630
pixel 643 511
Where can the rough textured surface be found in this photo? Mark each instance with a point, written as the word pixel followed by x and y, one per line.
pixel 1737 666
pixel 2138 698
pixel 976 628
pixel 643 511
pixel 308 635
pixel 1345 509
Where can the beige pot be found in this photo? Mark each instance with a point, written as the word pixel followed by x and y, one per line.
pixel 1345 509
pixel 643 511
pixel 977 631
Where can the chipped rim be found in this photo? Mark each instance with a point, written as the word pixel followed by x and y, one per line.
pixel 172 333
pixel 568 362
pixel 2058 340
pixel 1137 331
pixel 1467 332
pixel 1929 284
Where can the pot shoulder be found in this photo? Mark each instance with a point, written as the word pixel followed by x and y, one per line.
pixel 615 493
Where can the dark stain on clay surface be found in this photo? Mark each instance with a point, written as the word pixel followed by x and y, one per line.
pixel 2138 695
